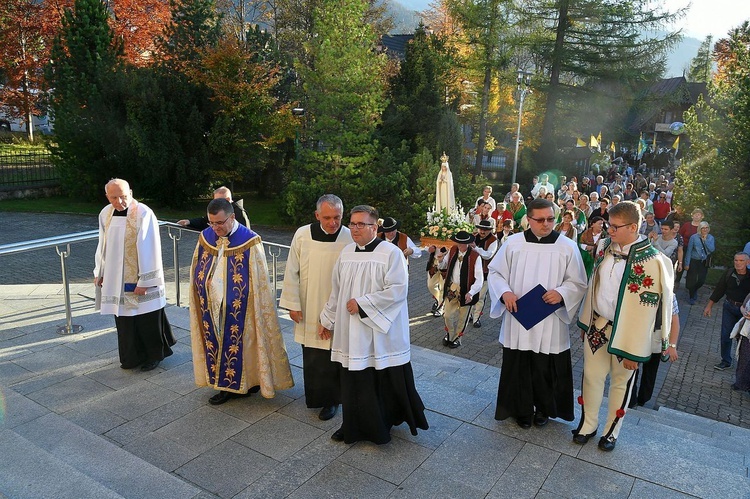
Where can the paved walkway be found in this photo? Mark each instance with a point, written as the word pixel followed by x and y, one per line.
pixel 74 425
pixel 690 385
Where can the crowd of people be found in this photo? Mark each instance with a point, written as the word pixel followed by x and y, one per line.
pixel 608 255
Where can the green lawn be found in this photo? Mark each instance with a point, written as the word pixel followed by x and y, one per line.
pixel 260 211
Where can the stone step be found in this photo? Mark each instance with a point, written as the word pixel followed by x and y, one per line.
pixel 102 461
pixel 29 471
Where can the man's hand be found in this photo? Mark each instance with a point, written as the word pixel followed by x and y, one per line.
pixel 98 281
pixel 183 222
pixel 686 267
pixel 672 352
pixel 467 298
pixel 552 297
pixel 139 291
pixel 352 306
pixel 707 310
pixel 323 333
pixel 510 301
pixel 630 365
pixel 296 315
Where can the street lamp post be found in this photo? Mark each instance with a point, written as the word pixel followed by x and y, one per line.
pixel 523 82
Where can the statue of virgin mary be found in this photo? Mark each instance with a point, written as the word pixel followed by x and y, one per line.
pixel 444 195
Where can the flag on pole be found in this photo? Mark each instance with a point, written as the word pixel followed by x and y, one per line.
pixel 595 144
pixel 642 145
pixel 580 143
pixel 654 146
pixel 612 147
pixel 599 137
pixel 676 145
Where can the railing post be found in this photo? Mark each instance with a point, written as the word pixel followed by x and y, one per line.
pixel 175 251
pixel 69 327
pixel 274 260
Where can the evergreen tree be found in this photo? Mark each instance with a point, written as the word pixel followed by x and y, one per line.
pixel 344 99
pixel 590 41
pixel 714 173
pixel 418 96
pixel 701 66
pixel 88 119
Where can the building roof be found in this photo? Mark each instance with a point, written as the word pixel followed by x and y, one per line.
pixel 395 45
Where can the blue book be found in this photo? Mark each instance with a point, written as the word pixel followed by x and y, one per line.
pixel 129 287
pixel 531 308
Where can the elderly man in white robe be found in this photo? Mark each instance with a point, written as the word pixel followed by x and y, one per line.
pixel 307 285
pixel 536 380
pixel 368 316
pixel 129 278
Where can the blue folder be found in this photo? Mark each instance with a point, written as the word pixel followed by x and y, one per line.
pixel 531 309
pixel 129 287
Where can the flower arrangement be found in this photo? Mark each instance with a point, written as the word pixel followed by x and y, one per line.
pixel 443 224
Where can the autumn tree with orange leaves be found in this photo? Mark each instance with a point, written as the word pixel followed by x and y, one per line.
pixel 27 28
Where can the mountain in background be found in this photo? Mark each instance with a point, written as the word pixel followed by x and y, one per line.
pixel 405 19
pixel 405 14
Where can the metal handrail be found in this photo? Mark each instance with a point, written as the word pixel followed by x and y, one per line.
pixel 66 240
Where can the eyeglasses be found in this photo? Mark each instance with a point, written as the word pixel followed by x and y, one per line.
pixel 219 224
pixel 549 220
pixel 615 227
pixel 358 225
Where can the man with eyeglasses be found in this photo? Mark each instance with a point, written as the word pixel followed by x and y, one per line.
pixel 368 317
pixel 536 380
pixel 129 278
pixel 307 286
pixel 236 339
pixel 630 282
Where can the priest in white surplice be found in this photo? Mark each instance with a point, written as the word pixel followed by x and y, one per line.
pixel 536 380
pixel 130 279
pixel 367 314
pixel 307 286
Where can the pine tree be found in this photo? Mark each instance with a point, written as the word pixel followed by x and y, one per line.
pixel 715 171
pixel 701 66
pixel 84 72
pixel 344 97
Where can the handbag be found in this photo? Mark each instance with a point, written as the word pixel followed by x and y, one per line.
pixel 709 261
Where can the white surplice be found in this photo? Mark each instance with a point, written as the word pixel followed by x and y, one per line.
pixel 520 266
pixel 112 260
pixel 379 281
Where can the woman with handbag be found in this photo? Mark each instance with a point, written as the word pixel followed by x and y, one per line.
pixel 698 259
pixel 741 331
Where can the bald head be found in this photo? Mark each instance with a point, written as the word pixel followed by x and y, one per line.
pixel 223 193
pixel 119 193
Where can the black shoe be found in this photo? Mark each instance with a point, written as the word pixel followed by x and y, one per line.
pixel 455 343
pixel 581 439
pixel 224 396
pixel 438 312
pixel 327 413
pixel 524 422
pixel 150 366
pixel 540 419
pixel 607 444
pixel 446 340
pixel 478 323
pixel 434 307
pixel 722 365
pixel 338 435
pixel 220 398
pixel 254 389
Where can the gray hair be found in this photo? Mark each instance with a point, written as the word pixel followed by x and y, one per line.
pixel 331 199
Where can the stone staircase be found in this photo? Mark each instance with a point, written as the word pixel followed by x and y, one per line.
pixel 663 453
